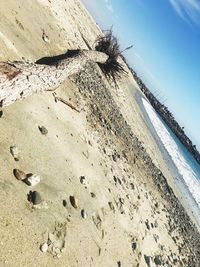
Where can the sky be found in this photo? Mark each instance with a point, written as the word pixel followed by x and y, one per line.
pixel 165 35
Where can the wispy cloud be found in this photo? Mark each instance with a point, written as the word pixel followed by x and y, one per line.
pixel 188 10
pixel 109 5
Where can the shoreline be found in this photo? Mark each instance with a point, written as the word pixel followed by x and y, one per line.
pixel 179 186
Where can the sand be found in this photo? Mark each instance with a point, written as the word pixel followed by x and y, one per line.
pixel 129 219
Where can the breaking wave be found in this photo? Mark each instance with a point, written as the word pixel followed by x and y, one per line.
pixel 186 166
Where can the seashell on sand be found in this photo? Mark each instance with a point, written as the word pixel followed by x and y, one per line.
pixel 74 201
pixel 20 175
pixel 45 38
pixel 44 247
pixel 14 152
pixel 32 179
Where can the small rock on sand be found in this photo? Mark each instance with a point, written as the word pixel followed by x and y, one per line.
pixel 147 224
pixel 43 130
pixel 134 246
pixel 34 197
pixel 20 175
pixel 83 214
pixel 92 194
pixel 157 260
pixel 14 152
pixel 32 179
pixel 64 203
pixel 82 179
pixel 147 260
pixel 111 206
pixel 74 201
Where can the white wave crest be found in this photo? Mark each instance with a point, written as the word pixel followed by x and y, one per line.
pixel 188 173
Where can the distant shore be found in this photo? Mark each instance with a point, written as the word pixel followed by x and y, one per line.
pixel 168 117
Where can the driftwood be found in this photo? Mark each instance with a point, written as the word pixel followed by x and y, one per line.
pixel 57 98
pixel 20 79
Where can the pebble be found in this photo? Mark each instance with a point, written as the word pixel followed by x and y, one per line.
pixel 32 180
pixel 34 197
pixel 147 224
pixel 147 260
pixel 134 246
pixel 44 247
pixel 114 157
pixel 20 175
pixel 92 194
pixel 64 203
pixel 83 214
pixel 157 260
pixel 132 186
pixel 43 130
pixel 73 201
pixel 14 152
pixel 82 179
pixel 45 38
pixel 115 179
pixel 119 181
pixel 111 206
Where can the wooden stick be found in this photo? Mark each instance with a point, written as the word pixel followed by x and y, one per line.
pixel 65 102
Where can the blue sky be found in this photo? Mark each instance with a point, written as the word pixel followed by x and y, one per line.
pixel 166 52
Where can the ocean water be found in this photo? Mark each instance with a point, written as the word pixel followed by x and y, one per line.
pixel 187 171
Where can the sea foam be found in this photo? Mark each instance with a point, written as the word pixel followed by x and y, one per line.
pixel 190 175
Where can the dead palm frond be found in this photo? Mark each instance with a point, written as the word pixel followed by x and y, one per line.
pixel 109 45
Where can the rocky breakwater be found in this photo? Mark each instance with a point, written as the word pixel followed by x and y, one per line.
pixel 106 119
pixel 168 117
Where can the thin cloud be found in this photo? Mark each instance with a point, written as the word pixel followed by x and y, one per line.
pixel 188 10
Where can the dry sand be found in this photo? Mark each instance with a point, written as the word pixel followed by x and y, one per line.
pixel 128 220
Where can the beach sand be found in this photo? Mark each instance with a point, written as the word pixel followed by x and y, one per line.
pixel 104 156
